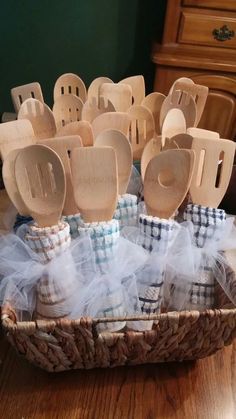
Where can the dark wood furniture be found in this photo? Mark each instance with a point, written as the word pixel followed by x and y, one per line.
pixel 199 42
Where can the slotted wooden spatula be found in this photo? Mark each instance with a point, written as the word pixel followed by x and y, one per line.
pixel 142 129
pixel 183 101
pixel 63 147
pixel 122 147
pixel 154 103
pixel 95 181
pixel 94 88
pixel 8 174
pixel 137 85
pixel 151 149
pixel 166 182
pixel 120 95
pixel 111 120
pixel 202 133
pixel 93 108
pixel 178 141
pixel 81 128
pixel 210 180
pixel 199 94
pixel 40 179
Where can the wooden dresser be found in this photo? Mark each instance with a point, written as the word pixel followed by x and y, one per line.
pixel 199 42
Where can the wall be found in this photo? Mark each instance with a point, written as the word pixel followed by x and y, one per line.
pixel 43 39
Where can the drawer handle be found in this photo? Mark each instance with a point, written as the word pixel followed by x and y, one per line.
pixel 223 34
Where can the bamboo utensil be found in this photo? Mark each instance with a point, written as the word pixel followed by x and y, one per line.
pixel 142 128
pixel 181 79
pixel 68 84
pixel 40 116
pixel 154 103
pixel 63 147
pixel 199 94
pixel 94 88
pixel 94 176
pixel 167 180
pixel 137 85
pixel 174 123
pixel 81 128
pixel 20 93
pixel 111 120
pixel 14 135
pixel 93 108
pixel 120 95
pixel 151 149
pixel 122 147
pixel 179 100
pixel 66 109
pixel 40 179
pixel 202 133
pixel 178 141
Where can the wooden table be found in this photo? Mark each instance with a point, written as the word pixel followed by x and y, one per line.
pixel 193 390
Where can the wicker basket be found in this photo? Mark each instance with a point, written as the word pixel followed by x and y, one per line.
pixel 64 345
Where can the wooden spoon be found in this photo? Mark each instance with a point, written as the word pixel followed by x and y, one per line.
pixel 94 88
pixel 183 101
pixel 81 128
pixel 174 123
pixel 166 182
pixel 208 186
pixel 68 84
pixel 122 147
pixel 199 94
pixel 151 149
pixel 66 109
pixel 137 85
pixel 120 95
pixel 93 108
pixel 40 116
pixel 40 179
pixel 202 133
pixel 63 147
pixel 142 128
pixel 179 141
pixel 9 179
pixel 94 174
pixel 154 103
pixel 111 120
pixel 14 135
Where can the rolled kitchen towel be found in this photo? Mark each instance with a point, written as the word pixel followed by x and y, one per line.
pixel 126 210
pixel 74 223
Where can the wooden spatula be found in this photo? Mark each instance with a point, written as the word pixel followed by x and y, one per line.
pixel 199 94
pixel 95 180
pixel 181 79
pixel 14 135
pixel 154 103
pixel 20 93
pixel 119 142
pixel 151 149
pixel 174 123
pixel 183 101
pixel 178 141
pixel 70 83
pixel 66 109
pixel 81 128
pixel 120 95
pixel 202 133
pixel 40 179
pixel 63 147
pixel 166 182
pixel 111 120
pixel 93 108
pixel 94 88
pixel 40 116
pixel 137 85
pixel 8 174
pixel 142 128
pixel 208 186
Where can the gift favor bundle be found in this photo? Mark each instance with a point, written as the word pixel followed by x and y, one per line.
pixel 96 239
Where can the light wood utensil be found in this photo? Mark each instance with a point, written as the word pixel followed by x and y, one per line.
pixel 202 133
pixel 9 179
pixel 199 94
pixel 210 180
pixel 40 179
pixel 166 182
pixel 81 128
pixel 40 116
pixel 181 79
pixel 174 123
pixel 94 88
pixel 179 141
pixel 154 103
pixel 120 143
pixel 20 93
pixel 14 135
pixel 142 128
pixel 137 85
pixel 93 108
pixel 7 213
pixel 94 174
pixel 183 101
pixel 63 146
pixel 151 149
pixel 120 95
pixel 66 109
pixel 68 84
pixel 111 120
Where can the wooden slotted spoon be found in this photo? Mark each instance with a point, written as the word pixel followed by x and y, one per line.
pixel 14 135
pixel 40 179
pixel 40 116
pixel 174 123
pixel 166 182
pixel 63 147
pixel 95 181
pixel 137 85
pixel 81 128
pixel 111 120
pixel 120 95
pixel 142 128
pixel 66 109
pixel 94 88
pixel 199 94
pixel 122 147
pixel 183 101
pixel 151 149
pixel 154 103
pixel 93 108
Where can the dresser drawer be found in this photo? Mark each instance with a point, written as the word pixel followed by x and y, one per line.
pixel 201 28
pixel 212 4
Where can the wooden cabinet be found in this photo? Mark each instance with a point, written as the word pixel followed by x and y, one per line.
pixel 199 42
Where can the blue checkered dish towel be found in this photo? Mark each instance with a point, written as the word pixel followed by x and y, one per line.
pixel 74 223
pixel 126 210
pixel 207 224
